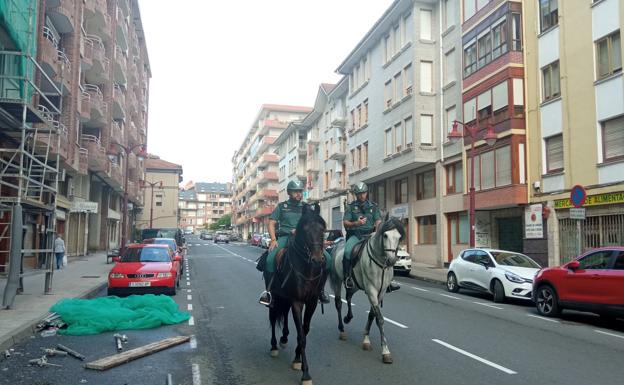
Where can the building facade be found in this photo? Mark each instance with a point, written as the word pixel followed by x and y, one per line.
pixel 256 167
pixel 575 109
pixel 203 204
pixel 160 194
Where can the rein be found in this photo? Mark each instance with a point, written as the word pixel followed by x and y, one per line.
pixel 306 251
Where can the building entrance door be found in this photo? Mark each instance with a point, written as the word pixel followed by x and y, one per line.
pixel 510 234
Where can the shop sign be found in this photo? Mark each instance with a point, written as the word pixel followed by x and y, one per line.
pixel 533 224
pixel 84 206
pixel 399 212
pixel 577 213
pixel 593 200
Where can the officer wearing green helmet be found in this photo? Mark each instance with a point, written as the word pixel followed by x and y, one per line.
pixel 361 218
pixel 282 224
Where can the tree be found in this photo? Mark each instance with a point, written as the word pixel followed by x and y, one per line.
pixel 223 222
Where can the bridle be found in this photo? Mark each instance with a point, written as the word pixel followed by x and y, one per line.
pixel 387 260
pixel 304 253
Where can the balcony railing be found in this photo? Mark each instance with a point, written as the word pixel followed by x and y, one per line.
pixel 337 185
pixel 338 120
pixel 97 155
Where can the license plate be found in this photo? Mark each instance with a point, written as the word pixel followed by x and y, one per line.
pixel 140 284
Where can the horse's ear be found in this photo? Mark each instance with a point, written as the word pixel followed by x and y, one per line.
pixel 311 208
pixel 316 208
pixel 387 216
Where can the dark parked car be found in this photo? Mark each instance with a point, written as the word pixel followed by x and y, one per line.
pixel 592 282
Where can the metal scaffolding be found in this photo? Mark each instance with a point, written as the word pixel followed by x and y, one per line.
pixel 30 115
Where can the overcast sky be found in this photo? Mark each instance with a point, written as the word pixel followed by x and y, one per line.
pixel 214 62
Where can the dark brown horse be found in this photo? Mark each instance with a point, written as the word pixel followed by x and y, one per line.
pixel 298 281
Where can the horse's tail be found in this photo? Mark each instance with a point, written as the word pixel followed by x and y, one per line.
pixel 281 308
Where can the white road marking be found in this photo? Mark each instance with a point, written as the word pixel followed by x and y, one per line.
pixel 189 306
pixel 342 299
pixel 189 297
pixel 475 357
pixel 448 296
pixel 609 334
pixel 196 375
pixel 489 305
pixel 192 321
pixel 393 322
pixel 543 318
pixel 418 288
pixel 188 283
pixel 188 290
pixel 193 342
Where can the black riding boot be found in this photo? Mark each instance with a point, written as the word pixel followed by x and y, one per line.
pixel 266 298
pixel 346 267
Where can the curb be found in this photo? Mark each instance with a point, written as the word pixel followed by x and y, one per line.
pixel 30 329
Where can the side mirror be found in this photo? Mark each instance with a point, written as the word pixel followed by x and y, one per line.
pixel 177 258
pixel 574 265
pixel 116 258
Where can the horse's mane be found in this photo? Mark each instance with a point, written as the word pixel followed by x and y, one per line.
pixel 310 213
pixel 391 224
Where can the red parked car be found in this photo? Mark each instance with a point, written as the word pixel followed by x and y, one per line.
pixel 256 240
pixel 593 282
pixel 171 242
pixel 145 268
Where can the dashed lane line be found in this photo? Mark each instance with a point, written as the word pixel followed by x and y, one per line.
pixel 196 375
pixel 489 305
pixel 475 357
pixel 609 334
pixel 193 342
pixel 191 321
pixel 189 307
pixel 189 297
pixel 418 288
pixel 393 322
pixel 448 296
pixel 543 318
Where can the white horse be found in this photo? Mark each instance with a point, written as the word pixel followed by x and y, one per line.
pixel 371 273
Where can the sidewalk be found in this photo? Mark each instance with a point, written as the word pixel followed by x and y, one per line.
pixel 82 277
pixel 428 273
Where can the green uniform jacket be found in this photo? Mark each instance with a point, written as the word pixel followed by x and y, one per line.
pixel 354 211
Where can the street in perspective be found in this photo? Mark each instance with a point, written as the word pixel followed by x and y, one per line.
pixel 389 192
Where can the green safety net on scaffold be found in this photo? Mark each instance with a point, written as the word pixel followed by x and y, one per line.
pixel 103 314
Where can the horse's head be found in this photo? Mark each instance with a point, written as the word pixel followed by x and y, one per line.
pixel 310 232
pixel 389 236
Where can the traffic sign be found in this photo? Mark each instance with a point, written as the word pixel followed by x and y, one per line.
pixel 578 195
pixel 577 213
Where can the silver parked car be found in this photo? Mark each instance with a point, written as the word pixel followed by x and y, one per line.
pixel 221 237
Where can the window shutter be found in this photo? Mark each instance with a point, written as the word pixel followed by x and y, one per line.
pixel 499 96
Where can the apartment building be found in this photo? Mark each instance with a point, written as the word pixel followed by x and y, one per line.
pixel 203 204
pixel 86 89
pixel 291 147
pixel 256 166
pixel 575 108
pixel 160 194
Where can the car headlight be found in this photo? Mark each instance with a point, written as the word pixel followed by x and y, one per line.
pixel 514 277
pixel 164 275
pixel 116 275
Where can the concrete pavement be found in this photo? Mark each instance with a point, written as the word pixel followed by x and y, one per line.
pixel 82 277
pixel 85 276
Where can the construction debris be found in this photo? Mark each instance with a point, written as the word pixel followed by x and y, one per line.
pixel 130 355
pixel 53 352
pixel 71 352
pixel 43 361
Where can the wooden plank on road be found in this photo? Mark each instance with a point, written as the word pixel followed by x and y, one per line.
pixel 130 355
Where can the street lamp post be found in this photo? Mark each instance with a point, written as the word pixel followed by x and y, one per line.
pixel 127 150
pixel 152 184
pixel 490 138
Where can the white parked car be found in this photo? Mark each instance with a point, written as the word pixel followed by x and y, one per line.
pixel 403 265
pixel 504 274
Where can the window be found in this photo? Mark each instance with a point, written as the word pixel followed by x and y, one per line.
pixel 450 116
pixel 427 230
pixel 449 13
pixel 470 8
pixel 388 48
pixel 487 170
pixel 365 155
pixel 355 126
pixel 326 181
pixel 425 24
pixel 503 166
pixel 389 142
pixel 500 97
pixel 518 97
pixel 550 78
pixel 365 112
pixel 159 200
pixel 454 178
pixel 613 139
pixel 484 49
pixel 358 116
pixel 554 153
pixel 426 76
pixel 426 129
pixel 408 74
pixel 549 14
pixel 400 191
pixel 459 226
pixel 484 103
pixel 499 39
pixel 516 32
pixel 470 110
pixel 396 32
pixel 358 157
pixel 353 160
pixel 398 87
pixel 608 55
pixel 379 194
pixel 596 261
pixel 398 137
pixel 470 59
pixel 425 185
pixel 409 132
pixel 388 93
pixel 449 67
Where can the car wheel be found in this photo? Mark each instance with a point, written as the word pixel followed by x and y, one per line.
pixel 499 292
pixel 546 301
pixel 451 283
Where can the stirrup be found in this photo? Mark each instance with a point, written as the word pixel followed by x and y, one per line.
pixel 349 284
pixel 266 298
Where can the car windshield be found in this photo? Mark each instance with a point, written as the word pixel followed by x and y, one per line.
pixel 514 259
pixel 146 254
pixel 160 241
pixel 158 233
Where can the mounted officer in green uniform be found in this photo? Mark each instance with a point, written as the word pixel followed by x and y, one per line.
pixel 361 218
pixel 282 224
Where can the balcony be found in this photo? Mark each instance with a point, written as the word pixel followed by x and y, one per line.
pixel 337 185
pixel 114 173
pixel 267 194
pixel 267 124
pixel 121 30
pixel 302 147
pixel 267 159
pixel 117 131
pixel 121 64
pixel 98 72
pixel 268 176
pixel 312 165
pixel 338 150
pixel 131 104
pixel 83 161
pixel 314 137
pixel 265 142
pixel 97 105
pixel 301 172
pixel 132 135
pixel 124 6
pixel 97 19
pixel 61 13
pixel 263 211
pixel 97 160
pixel 133 162
pixel 54 62
pixel 56 145
pixel 339 120
pixel 119 102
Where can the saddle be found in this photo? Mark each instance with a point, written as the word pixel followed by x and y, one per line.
pixel 279 257
pixel 356 252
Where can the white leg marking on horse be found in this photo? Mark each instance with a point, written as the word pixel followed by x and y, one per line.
pixel 475 357
pixel 385 350
pixel 366 340
pixel 448 296
pixel 192 321
pixel 193 342
pixel 196 375
pixel 189 306
pixel 393 322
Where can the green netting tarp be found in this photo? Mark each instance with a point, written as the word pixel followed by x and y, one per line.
pixel 98 315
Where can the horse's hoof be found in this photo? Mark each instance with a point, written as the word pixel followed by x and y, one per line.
pixel 296 365
pixel 306 382
pixel 367 346
pixel 274 353
pixel 387 358
pixel 342 336
pixel 347 319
